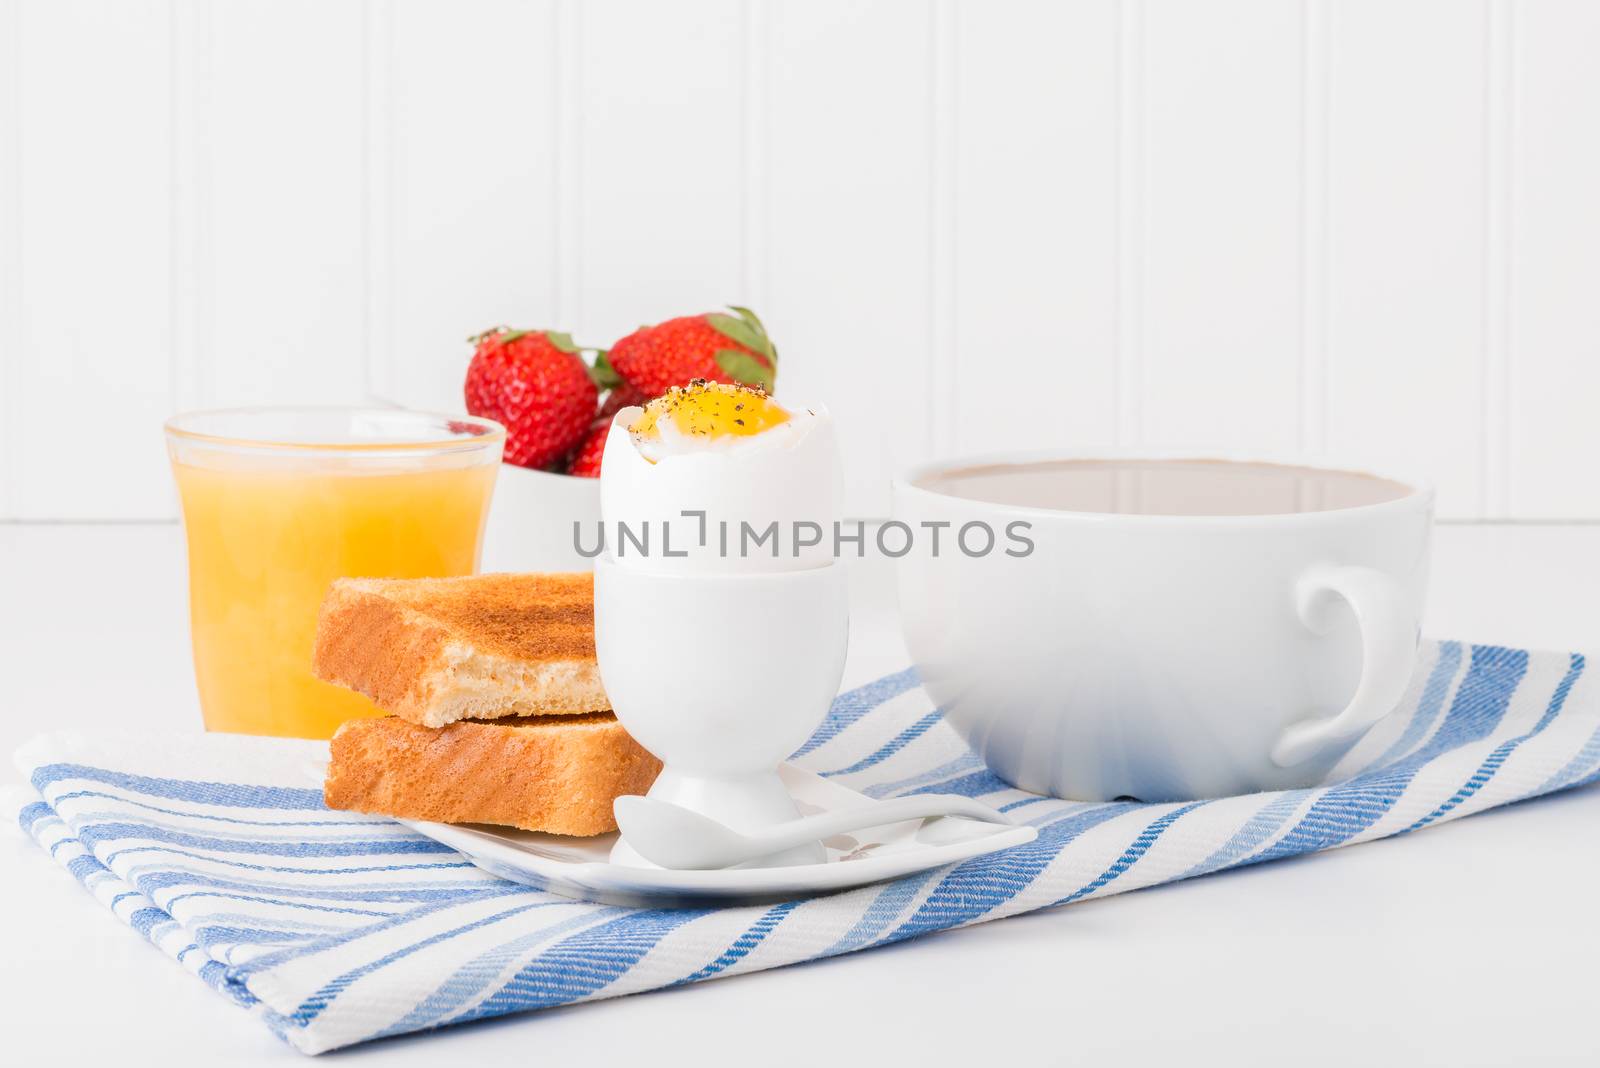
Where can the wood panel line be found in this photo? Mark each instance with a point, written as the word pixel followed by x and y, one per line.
pixel 10 247
pixel 1314 148
pixel 943 146
pixel 183 358
pixel 378 224
pixel 557 72
pixel 1131 231
pixel 756 186
pixel 568 276
pixel 198 284
pixel 1498 280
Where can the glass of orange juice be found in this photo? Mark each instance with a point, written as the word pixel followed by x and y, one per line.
pixel 279 502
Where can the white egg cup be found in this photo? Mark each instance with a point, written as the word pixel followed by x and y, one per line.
pixel 722 676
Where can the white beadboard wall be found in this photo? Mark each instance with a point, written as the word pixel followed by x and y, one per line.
pixel 1367 228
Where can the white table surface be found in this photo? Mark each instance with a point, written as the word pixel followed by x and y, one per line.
pixel 1473 942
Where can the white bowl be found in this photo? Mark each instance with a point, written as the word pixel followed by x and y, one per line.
pixel 532 518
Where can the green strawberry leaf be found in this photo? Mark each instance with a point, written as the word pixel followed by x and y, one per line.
pixel 736 330
pixel 750 317
pixel 743 367
pixel 604 375
pixel 560 340
pixel 758 329
pixel 511 335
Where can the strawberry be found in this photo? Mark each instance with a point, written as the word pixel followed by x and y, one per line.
pixel 536 384
pixel 623 396
pixel 716 347
pixel 586 461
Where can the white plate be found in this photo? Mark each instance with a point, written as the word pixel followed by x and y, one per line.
pixel 581 867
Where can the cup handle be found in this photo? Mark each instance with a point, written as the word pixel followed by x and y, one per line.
pixel 1388 654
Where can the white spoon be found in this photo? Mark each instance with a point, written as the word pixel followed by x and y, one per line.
pixel 679 838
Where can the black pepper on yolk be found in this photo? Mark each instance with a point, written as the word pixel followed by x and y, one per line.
pixel 709 410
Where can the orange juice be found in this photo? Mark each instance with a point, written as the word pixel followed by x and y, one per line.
pixel 268 532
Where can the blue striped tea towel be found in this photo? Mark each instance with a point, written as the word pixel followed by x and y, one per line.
pixel 337 928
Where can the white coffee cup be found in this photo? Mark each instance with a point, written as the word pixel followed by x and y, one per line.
pixel 1162 656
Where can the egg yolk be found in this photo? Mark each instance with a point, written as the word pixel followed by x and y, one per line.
pixel 710 410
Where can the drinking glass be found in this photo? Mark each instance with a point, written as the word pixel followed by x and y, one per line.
pixel 279 502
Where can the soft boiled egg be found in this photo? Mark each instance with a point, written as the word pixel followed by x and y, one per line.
pixel 765 476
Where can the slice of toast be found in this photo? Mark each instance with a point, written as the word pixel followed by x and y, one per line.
pixel 557 774
pixel 434 651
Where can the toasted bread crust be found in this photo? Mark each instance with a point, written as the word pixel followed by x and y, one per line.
pixel 557 774
pixel 535 617
pixel 439 650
